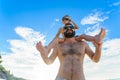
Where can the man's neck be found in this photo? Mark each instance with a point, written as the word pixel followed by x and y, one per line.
pixel 70 39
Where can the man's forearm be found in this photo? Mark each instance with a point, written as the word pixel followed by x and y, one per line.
pixel 44 55
pixel 97 54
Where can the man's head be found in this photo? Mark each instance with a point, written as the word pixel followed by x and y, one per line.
pixel 66 19
pixel 69 30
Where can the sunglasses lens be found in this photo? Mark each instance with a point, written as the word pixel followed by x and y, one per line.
pixel 71 27
pixel 65 27
pixel 66 19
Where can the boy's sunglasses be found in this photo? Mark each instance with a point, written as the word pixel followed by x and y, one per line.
pixel 66 19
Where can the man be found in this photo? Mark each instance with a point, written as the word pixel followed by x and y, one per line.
pixel 71 54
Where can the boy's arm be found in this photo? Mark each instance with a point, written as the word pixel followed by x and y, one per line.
pixel 54 41
pixel 75 25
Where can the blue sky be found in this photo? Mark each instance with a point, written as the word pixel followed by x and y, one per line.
pixel 24 22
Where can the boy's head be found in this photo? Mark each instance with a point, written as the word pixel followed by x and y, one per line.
pixel 66 19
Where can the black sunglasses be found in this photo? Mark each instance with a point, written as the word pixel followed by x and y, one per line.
pixel 66 19
pixel 68 26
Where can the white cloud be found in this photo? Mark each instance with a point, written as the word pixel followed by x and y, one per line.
pixel 54 22
pixel 108 67
pixel 93 18
pixel 26 62
pixel 116 4
pixel 93 30
pixel 57 20
pixel 29 35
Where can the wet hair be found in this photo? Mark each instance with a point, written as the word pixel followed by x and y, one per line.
pixel 64 17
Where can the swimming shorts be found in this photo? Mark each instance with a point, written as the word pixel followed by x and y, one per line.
pixel 59 78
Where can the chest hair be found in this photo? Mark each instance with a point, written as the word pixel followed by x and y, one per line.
pixel 70 49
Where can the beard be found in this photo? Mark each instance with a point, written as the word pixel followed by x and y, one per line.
pixel 69 34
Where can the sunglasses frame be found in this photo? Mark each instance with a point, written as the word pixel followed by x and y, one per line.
pixel 68 26
pixel 66 19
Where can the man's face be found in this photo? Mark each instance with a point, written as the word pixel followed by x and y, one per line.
pixel 69 31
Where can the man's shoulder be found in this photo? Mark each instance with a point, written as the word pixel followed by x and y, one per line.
pixel 83 42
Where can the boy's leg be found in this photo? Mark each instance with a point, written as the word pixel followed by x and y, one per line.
pixel 86 37
pixel 98 38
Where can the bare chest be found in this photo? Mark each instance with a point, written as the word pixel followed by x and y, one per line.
pixel 72 49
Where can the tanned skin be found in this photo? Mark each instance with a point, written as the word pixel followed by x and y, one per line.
pixel 71 54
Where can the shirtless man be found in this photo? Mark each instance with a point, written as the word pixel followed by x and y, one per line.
pixel 71 55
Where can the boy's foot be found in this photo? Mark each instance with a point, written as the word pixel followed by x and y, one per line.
pixel 99 38
pixel 78 38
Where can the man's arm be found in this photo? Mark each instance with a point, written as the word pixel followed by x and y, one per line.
pixel 95 56
pixel 44 53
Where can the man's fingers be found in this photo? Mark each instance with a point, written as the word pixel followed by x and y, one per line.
pixel 39 44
